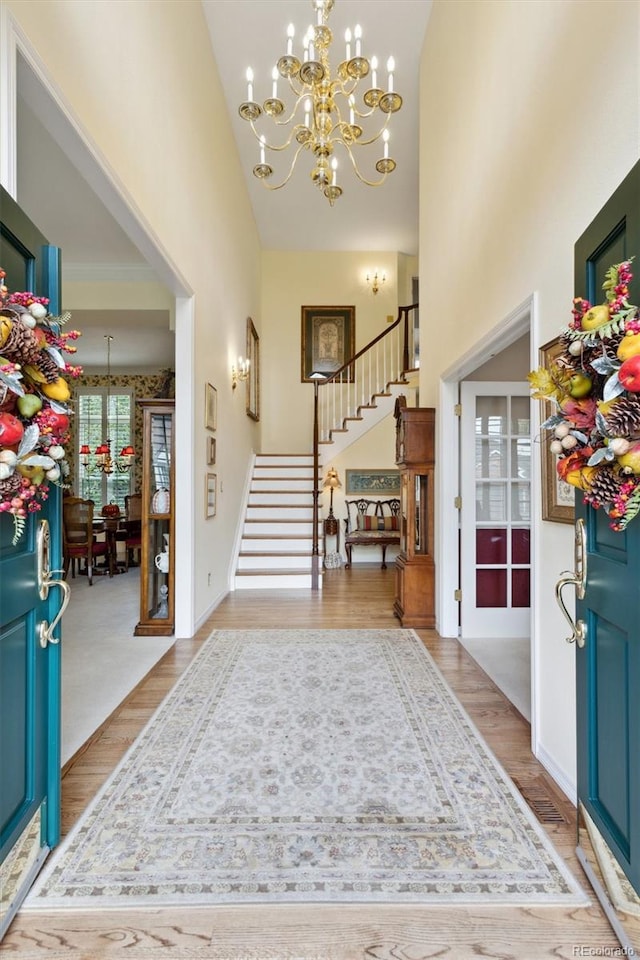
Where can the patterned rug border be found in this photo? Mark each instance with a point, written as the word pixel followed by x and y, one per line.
pixel 465 894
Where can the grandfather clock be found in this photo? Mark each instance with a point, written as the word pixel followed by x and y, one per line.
pixel 415 569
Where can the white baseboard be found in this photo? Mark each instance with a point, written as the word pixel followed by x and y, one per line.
pixel 567 786
pixel 216 603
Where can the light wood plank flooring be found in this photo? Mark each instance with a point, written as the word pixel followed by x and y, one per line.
pixel 351 598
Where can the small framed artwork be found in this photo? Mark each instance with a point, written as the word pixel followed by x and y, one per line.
pixel 211 451
pixel 558 497
pixel 383 482
pixel 210 407
pixel 328 341
pixel 253 381
pixel 211 495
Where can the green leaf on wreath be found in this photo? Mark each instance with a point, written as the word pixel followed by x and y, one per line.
pixel 632 508
pixel 19 524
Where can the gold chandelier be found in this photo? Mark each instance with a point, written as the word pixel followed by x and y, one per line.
pixel 104 461
pixel 326 113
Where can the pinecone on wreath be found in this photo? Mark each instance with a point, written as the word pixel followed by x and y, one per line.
pixel 623 420
pixel 21 345
pixel 605 485
pixel 10 487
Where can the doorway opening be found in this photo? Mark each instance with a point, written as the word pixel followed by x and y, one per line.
pixel 508 657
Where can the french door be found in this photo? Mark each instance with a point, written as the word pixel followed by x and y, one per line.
pixel 495 462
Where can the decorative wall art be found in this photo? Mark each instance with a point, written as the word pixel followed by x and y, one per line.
pixel 253 382
pixel 373 481
pixel 328 341
pixel 210 407
pixel 211 451
pixel 211 495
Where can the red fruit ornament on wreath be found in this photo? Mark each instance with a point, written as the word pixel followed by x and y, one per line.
pixel 34 412
pixel 595 385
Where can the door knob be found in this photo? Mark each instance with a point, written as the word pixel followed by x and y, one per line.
pixel 46 580
pixel 577 579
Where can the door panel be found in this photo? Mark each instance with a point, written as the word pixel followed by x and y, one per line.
pixel 496 509
pixel 608 665
pixel 29 671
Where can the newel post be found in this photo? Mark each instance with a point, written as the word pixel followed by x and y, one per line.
pixel 315 552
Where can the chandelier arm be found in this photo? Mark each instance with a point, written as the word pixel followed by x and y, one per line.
pixel 367 143
pixel 301 95
pixel 365 115
pixel 376 136
pixel 276 148
pixel 278 186
pixel 360 176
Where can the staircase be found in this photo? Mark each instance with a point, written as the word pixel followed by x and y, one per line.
pixel 282 523
pixel 364 417
pixel 277 539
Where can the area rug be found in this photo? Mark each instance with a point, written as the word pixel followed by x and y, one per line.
pixel 307 765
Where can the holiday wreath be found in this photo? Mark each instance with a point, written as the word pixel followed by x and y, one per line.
pixel 34 410
pixel 595 384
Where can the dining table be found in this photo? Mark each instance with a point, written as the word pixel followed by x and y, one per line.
pixel 110 526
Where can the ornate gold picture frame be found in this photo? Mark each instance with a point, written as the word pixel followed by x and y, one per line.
pixel 558 497
pixel 253 380
pixel 328 341
pixel 210 407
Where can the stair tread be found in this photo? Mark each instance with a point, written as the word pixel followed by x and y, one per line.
pixel 273 571
pixel 279 506
pixel 283 520
pixel 286 490
pixel 275 553
pixel 277 536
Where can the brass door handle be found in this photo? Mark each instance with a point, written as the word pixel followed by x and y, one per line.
pixel 45 582
pixel 577 579
pixel 580 553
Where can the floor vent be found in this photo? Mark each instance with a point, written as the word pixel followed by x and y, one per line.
pixel 536 793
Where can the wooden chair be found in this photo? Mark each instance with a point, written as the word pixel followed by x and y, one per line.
pixel 133 527
pixel 79 541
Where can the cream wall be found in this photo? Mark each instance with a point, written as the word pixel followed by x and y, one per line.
pixel 291 280
pixel 143 86
pixel 529 119
pixel 80 295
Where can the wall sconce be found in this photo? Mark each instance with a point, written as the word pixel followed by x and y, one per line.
pixel 376 281
pixel 242 373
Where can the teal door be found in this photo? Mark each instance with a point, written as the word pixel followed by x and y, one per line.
pixel 29 664
pixel 608 664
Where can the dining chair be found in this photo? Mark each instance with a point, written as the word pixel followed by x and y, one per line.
pixel 133 527
pixel 79 542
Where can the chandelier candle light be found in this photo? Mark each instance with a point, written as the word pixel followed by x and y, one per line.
pixel 325 114
pixel 103 459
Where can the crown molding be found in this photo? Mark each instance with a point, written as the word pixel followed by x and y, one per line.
pixel 108 273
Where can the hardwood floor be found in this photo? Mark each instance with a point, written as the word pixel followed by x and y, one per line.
pixel 351 598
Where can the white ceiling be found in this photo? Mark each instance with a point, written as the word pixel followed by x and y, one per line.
pixel 243 33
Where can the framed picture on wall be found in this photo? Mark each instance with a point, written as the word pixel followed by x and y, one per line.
pixel 211 451
pixel 328 341
pixel 558 497
pixel 211 495
pixel 210 407
pixel 253 381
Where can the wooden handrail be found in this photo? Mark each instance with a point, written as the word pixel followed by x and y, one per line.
pixel 403 312
pixel 385 333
